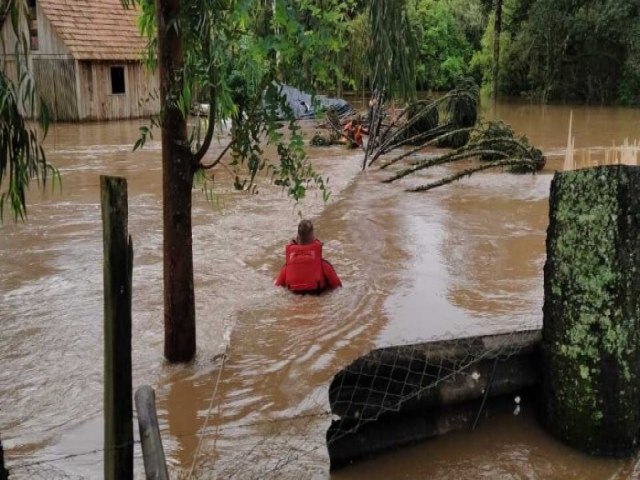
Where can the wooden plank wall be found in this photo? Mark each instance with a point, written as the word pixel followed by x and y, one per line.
pixel 56 82
pixel 50 45
pixel 96 102
pixel 8 38
pixel 51 67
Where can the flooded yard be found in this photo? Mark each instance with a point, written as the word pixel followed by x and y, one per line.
pixel 461 260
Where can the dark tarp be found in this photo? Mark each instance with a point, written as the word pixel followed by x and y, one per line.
pixel 304 105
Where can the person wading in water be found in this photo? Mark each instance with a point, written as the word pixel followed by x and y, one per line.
pixel 305 271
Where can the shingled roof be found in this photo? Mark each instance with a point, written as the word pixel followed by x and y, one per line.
pixel 96 29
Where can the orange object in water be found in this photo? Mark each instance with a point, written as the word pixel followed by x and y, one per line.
pixel 304 267
pixel 352 134
pixel 357 135
pixel 305 270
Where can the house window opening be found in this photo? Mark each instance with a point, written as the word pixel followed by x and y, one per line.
pixel 33 25
pixel 117 81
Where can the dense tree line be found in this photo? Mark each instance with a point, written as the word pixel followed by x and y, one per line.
pixel 584 51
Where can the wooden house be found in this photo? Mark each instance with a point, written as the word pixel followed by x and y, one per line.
pixel 85 59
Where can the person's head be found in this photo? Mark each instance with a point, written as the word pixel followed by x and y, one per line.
pixel 305 232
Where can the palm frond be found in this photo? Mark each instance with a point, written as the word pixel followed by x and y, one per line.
pixel 512 162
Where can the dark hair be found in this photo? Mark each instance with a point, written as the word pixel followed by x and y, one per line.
pixel 305 232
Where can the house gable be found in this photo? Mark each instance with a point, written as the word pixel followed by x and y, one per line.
pixel 96 30
pixel 50 45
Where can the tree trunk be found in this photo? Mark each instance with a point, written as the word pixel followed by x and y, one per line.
pixel 178 168
pixel 591 329
pixel 496 49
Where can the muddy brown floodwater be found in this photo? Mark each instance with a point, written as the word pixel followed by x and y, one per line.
pixel 464 259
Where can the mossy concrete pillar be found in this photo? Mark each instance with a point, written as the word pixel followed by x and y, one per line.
pixel 591 331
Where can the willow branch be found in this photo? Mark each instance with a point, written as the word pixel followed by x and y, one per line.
pixel 6 11
pixel 219 159
pixel 206 143
pixel 468 172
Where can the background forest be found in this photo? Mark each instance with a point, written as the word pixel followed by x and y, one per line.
pixel 585 51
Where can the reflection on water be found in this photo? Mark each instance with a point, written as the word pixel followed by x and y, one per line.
pixel 463 259
pixel 479 251
pixel 548 125
pixel 506 447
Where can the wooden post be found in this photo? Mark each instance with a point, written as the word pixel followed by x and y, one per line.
pixel 591 329
pixel 118 263
pixel 155 466
pixel 4 474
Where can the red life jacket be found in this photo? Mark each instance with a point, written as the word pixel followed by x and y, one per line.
pixel 304 267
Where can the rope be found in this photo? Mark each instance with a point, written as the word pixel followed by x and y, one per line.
pixel 179 435
pixel 486 393
pixel 206 420
pixel 70 455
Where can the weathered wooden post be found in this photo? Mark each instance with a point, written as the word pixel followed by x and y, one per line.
pixel 591 332
pixel 118 263
pixel 155 465
pixel 4 474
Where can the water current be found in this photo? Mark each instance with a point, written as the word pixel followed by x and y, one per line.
pixel 464 259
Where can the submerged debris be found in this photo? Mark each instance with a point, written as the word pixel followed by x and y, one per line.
pixel 324 140
pixel 347 131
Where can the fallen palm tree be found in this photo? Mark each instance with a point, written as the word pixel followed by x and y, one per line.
pixel 493 144
pixel 448 122
pixel 445 119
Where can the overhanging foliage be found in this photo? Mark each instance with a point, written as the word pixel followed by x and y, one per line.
pixel 22 158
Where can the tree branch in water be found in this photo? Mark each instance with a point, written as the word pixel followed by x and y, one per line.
pixel 470 171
